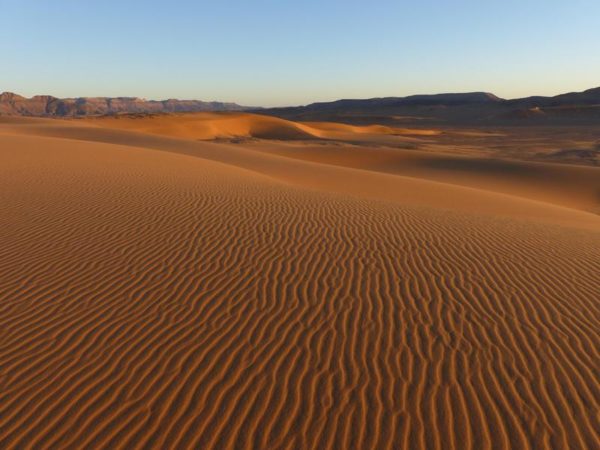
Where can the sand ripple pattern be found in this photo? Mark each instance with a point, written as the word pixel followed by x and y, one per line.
pixel 151 300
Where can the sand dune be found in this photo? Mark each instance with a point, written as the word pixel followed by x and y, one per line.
pixel 567 185
pixel 207 126
pixel 548 192
pixel 159 292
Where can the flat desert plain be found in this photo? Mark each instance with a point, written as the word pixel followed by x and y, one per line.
pixel 214 281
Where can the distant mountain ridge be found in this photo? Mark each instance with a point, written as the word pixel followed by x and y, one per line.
pixel 459 108
pixel 46 105
pixel 471 107
pixel 412 100
pixel 588 97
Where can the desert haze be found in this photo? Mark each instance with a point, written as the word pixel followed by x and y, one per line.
pixel 381 274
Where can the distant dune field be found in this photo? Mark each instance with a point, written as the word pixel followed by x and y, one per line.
pixel 211 125
pixel 309 287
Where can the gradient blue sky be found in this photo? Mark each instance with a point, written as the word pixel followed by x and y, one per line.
pixel 285 52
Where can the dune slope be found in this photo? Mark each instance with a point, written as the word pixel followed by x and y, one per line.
pixel 566 185
pixel 207 126
pixel 162 294
pixel 419 181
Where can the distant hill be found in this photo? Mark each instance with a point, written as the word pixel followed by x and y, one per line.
pixel 589 97
pixel 46 105
pixel 460 108
pixel 413 100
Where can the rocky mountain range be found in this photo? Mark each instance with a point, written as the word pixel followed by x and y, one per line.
pixel 46 105
pixel 455 108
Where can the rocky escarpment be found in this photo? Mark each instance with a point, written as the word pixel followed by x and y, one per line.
pixel 46 105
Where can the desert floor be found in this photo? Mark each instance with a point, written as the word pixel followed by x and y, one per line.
pixel 238 281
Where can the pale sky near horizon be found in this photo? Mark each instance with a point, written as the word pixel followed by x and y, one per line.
pixel 269 52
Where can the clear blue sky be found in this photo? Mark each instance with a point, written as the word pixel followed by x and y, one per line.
pixel 280 52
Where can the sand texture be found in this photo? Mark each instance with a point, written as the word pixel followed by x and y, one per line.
pixel 157 291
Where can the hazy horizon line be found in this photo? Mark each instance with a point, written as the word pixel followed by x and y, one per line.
pixel 284 105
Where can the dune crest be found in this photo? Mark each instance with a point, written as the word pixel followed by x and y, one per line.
pixel 208 126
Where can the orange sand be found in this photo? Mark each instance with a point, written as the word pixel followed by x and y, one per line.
pixel 160 292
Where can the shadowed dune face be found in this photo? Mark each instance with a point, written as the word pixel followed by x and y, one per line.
pixel 565 185
pixel 166 293
pixel 591 156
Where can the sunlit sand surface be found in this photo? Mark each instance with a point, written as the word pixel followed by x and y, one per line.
pixel 310 286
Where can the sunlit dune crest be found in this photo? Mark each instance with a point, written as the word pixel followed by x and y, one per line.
pixel 208 126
